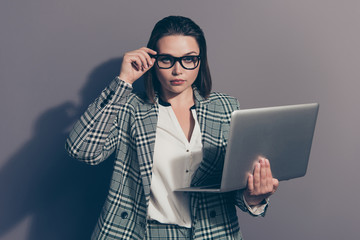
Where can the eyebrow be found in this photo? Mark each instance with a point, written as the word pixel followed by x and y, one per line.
pixel 186 54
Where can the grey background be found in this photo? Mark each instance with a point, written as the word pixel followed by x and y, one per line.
pixel 56 56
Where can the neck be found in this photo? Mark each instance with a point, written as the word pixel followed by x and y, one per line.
pixel 184 99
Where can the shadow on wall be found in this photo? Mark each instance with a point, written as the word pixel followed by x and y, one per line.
pixel 63 196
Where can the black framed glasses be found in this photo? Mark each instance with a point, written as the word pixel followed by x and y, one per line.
pixel 165 61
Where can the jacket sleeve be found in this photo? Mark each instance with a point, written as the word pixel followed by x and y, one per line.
pixel 95 135
pixel 258 210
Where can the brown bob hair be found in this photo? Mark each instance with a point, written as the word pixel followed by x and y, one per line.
pixel 178 25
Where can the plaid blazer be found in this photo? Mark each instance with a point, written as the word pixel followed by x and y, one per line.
pixel 122 121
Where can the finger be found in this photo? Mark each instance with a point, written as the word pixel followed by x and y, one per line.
pixel 153 61
pixel 149 50
pixel 136 62
pixel 263 172
pixel 268 167
pixel 250 183
pixel 269 178
pixel 257 184
pixel 142 56
pixel 148 53
pixel 150 60
pixel 275 184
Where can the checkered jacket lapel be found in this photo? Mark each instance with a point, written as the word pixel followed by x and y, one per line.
pixel 211 118
pixel 146 122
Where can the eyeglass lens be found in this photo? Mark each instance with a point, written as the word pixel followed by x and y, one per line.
pixel 187 62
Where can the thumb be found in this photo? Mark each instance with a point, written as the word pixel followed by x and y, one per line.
pixel 275 184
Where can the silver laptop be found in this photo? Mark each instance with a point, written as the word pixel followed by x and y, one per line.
pixel 281 134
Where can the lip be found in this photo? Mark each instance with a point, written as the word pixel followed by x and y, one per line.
pixel 177 81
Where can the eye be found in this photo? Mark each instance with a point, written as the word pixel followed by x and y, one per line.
pixel 189 59
pixel 165 59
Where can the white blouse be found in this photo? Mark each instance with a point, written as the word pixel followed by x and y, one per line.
pixel 175 161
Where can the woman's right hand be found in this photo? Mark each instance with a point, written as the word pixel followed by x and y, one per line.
pixel 136 63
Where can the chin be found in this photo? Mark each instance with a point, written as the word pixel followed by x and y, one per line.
pixel 175 89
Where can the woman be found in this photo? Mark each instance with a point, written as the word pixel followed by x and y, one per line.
pixel 173 137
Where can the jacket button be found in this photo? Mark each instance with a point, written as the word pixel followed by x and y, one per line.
pixel 213 214
pixel 109 97
pixel 124 215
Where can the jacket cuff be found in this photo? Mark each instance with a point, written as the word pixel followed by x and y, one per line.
pixel 257 210
pixel 114 93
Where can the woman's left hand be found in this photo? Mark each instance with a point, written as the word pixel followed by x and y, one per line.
pixel 261 184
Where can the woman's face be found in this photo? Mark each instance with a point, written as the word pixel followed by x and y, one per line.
pixel 177 80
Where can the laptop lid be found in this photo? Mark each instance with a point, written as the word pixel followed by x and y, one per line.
pixel 282 134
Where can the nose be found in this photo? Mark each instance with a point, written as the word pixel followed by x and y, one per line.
pixel 177 68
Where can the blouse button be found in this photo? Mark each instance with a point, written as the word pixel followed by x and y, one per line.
pixel 187 150
pixel 124 215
